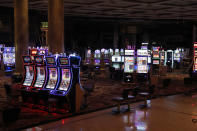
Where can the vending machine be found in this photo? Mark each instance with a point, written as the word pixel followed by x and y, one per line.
pixel 40 72
pixel 195 58
pixel 129 65
pixel 9 58
pixel 170 59
pixel 163 54
pixel 142 61
pixel 52 72
pixel 97 59
pixel 116 60
pixel 88 57
pixel 29 73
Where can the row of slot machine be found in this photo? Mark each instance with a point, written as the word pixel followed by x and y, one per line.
pixel 140 59
pixel 57 75
pixel 7 57
pixel 195 58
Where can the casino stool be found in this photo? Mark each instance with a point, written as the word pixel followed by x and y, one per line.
pixel 146 96
pixel 124 98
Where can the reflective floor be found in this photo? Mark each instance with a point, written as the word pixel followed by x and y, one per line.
pixel 173 113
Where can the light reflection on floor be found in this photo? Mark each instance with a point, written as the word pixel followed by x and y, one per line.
pixel 173 113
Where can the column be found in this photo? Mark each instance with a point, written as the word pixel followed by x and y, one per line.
pixel 194 33
pixel 56 26
pixel 115 41
pixel 21 31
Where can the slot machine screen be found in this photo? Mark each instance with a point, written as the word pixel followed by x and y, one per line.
pixel 129 65
pixel 50 60
pixel 156 62
pixel 28 76
pixel 66 78
pixel 116 66
pixel 40 77
pixel 53 75
pixel 97 61
pixel 39 60
pixel 64 61
pixel 106 61
pixel 26 59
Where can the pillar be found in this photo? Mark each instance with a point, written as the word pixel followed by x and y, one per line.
pixel 115 40
pixel 194 33
pixel 21 31
pixel 56 26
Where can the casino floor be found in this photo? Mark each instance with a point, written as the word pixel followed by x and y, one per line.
pixel 172 113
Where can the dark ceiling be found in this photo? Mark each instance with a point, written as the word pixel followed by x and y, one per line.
pixel 138 9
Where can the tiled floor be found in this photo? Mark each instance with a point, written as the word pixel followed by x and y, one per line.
pixel 173 113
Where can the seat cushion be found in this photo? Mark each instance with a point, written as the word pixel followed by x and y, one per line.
pixel 118 98
pixel 144 93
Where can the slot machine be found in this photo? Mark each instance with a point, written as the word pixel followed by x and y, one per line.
pixel 142 61
pixel 97 59
pixel 1 53
pixel 65 76
pixel 122 59
pixel 52 72
pixel 149 57
pixel 177 55
pixel 162 54
pixel 129 65
pixel 88 57
pixel 195 58
pixel 9 58
pixel 40 72
pixel 155 58
pixel 106 57
pixel 29 73
pixel 170 59
pixel 116 60
pixel 69 84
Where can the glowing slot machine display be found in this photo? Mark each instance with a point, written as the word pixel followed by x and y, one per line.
pixel 116 60
pixel 156 57
pixel 177 55
pixel 106 57
pixel 9 58
pixel 162 54
pixel 40 72
pixel 142 61
pixel 195 57
pixel 52 71
pixel 97 58
pixel 29 71
pixel 65 74
pixel 88 57
pixel 129 61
